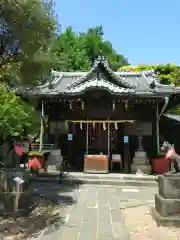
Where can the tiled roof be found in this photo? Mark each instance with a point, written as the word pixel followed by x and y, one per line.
pixel 95 84
pixel 102 77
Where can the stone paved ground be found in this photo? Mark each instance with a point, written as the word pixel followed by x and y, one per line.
pixel 91 212
pixel 96 212
pixel 142 227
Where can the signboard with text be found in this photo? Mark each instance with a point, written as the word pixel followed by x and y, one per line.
pixel 126 139
pixel 70 137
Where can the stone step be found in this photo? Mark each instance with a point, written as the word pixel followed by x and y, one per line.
pixel 168 221
pixel 140 161
pixel 114 182
pixel 167 207
pixel 110 176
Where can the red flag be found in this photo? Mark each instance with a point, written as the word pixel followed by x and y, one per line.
pixel 18 150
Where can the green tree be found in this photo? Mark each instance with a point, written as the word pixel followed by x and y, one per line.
pixel 94 44
pixel 70 54
pixel 167 73
pixel 16 116
pixel 31 24
pixel 78 51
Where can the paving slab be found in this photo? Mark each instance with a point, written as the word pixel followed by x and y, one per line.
pixel 95 215
pixel 95 212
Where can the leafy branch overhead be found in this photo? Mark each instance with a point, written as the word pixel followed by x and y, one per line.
pixel 27 29
pixel 16 116
pixel 167 74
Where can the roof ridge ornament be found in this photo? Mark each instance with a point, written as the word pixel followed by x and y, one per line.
pixel 101 59
pixel 51 80
pixel 154 81
pixel 151 78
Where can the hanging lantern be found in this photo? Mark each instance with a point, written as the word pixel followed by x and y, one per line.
pixel 114 105
pixel 104 126
pixel 116 125
pixel 81 127
pixel 70 105
pixel 82 105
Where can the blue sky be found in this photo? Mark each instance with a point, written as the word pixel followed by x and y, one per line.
pixel 144 31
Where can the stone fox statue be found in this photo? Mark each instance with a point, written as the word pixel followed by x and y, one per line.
pixel 171 155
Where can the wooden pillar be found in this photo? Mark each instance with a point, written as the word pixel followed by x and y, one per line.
pixel 42 126
pixel 108 135
pixel 87 138
pixel 49 128
pixel 127 163
pixel 70 143
pixel 155 132
pixel 120 141
pixel 157 128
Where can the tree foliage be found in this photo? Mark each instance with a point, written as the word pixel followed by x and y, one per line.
pixel 167 73
pixel 70 53
pixel 16 116
pixel 27 28
pixel 78 51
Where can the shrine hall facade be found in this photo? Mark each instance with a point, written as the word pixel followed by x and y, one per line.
pixel 102 113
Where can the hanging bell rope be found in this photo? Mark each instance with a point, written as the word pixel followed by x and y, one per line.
pixel 82 105
pixel 70 105
pixel 114 105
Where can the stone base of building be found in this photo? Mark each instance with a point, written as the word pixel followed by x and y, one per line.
pixel 167 202
pixel 143 168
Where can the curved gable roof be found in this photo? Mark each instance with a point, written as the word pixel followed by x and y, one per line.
pixel 102 77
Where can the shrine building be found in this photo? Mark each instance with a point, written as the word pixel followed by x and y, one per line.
pixel 102 119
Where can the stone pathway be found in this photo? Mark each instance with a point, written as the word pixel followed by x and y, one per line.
pixel 96 212
pixel 96 215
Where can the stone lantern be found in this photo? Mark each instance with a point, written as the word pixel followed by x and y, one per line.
pixel 140 161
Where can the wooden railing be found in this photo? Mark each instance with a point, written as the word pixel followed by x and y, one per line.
pixel 35 146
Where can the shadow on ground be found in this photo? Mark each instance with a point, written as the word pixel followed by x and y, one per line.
pixel 48 216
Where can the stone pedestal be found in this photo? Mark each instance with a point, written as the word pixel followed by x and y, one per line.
pixel 167 202
pixel 141 163
pixel 54 160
